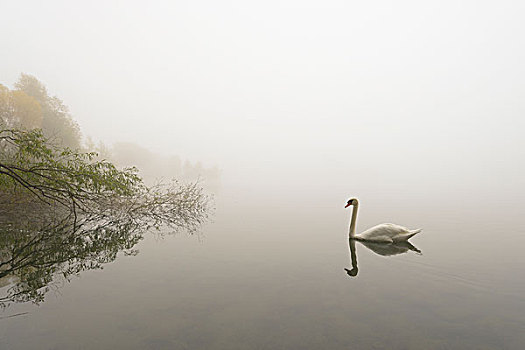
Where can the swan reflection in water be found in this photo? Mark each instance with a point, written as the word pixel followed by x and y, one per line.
pixel 384 249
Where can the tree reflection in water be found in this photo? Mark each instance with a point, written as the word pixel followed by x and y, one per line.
pixel 41 247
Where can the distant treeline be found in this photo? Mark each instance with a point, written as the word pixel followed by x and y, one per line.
pixel 154 167
pixel 29 106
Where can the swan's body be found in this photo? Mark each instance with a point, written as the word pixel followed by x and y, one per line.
pixel 388 233
pixel 383 233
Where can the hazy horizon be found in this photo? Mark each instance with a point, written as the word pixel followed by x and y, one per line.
pixel 295 86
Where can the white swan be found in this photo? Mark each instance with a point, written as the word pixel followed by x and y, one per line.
pixel 384 233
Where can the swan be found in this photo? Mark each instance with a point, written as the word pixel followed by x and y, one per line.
pixel 383 233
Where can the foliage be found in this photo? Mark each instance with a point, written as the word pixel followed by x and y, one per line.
pixel 83 185
pixel 19 110
pixel 57 123
pixel 60 175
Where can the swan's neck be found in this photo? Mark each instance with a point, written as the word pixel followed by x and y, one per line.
pixel 354 219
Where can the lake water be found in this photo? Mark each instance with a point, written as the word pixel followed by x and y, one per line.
pixel 267 272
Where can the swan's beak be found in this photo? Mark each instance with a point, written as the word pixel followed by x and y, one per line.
pixel 347 205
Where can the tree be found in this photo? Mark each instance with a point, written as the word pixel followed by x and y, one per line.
pixel 30 166
pixel 61 212
pixel 19 110
pixel 57 123
pixel 59 175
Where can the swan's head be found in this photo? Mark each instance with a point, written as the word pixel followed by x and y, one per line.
pixel 351 201
pixel 353 272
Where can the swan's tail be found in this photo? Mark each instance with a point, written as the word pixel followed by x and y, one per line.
pixel 406 236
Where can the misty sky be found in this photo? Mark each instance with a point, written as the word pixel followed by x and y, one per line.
pixel 398 91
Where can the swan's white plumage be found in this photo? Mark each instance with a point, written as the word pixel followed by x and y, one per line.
pixel 383 233
pixel 387 233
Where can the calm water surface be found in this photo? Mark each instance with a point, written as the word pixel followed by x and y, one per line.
pixel 269 273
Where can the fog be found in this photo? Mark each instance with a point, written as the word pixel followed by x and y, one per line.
pixel 284 110
pixel 296 96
